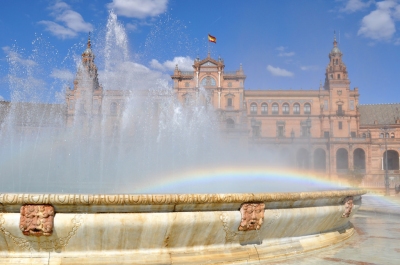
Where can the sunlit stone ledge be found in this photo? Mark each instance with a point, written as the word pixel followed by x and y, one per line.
pixel 154 199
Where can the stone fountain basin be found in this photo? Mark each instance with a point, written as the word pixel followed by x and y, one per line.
pixel 174 228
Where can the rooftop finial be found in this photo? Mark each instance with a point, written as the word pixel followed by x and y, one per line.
pixel 88 42
pixel 208 54
pixel 334 38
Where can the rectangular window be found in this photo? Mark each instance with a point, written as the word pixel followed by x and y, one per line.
pixel 280 131
pixel 351 104
pixel 353 134
pixel 229 102
pixel 340 125
pixel 325 104
pixel 304 131
pixel 326 134
pixel 275 108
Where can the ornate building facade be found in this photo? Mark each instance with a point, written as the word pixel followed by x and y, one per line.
pixel 326 130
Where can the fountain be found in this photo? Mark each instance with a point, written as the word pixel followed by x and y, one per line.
pixel 153 184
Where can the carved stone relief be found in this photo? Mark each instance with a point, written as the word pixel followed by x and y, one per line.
pixel 252 216
pixel 348 206
pixel 51 244
pixel 36 220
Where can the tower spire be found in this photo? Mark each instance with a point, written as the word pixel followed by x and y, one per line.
pixel 89 45
pixel 334 39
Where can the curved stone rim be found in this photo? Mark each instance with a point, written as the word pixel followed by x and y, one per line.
pixel 158 199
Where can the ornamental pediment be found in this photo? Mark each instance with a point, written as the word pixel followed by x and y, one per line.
pixel 208 64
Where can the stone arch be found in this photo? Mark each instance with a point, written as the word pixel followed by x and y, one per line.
pixel 296 108
pixel 342 160
pixel 208 81
pixel 286 157
pixel 392 160
pixel 275 108
pixel 253 108
pixel 320 159
pixel 359 159
pixel 303 158
pixel 264 108
pixel 307 108
pixel 113 108
pixel 230 123
pixel 285 108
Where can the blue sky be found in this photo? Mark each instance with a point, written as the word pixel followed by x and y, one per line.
pixel 281 44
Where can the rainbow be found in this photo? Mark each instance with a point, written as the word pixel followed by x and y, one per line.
pixel 235 179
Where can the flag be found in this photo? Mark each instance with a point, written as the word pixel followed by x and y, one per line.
pixel 212 38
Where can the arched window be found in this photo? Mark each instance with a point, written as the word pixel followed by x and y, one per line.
pixel 359 159
pixel 275 108
pixel 230 124
pixel 392 160
pixel 285 108
pixel 381 135
pixel 342 160
pixel 392 135
pixel 113 108
pixel 320 160
pixel 303 158
pixel 307 108
pixel 387 135
pixel 230 102
pixel 296 108
pixel 338 76
pixel 208 81
pixel 253 108
pixel 264 108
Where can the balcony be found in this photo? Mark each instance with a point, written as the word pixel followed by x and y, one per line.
pixel 340 112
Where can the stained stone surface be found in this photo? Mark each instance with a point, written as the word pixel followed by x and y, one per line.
pixel 176 228
pixel 375 242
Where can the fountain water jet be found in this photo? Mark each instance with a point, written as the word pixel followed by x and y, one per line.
pixel 74 175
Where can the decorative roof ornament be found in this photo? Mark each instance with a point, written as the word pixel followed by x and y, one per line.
pixel 335 49
pixel 88 46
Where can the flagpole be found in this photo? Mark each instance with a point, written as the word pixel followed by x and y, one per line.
pixel 208 44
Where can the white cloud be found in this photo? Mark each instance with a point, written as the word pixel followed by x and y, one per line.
pixel 1 98
pixel 380 24
pixel 71 22
pixel 138 8
pixel 309 67
pixel 286 54
pixel 355 5
pixel 58 30
pixel 283 53
pixel 278 71
pixel 131 27
pixel 15 58
pixel 184 64
pixel 377 25
pixel 64 75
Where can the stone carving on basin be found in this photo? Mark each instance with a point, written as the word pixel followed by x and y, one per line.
pixel 252 216
pixel 36 220
pixel 348 206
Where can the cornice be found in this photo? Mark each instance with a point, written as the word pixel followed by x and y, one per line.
pixel 159 199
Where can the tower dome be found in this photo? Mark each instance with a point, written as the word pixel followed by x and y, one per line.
pixel 335 50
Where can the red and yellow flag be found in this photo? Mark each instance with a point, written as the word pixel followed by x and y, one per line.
pixel 212 38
